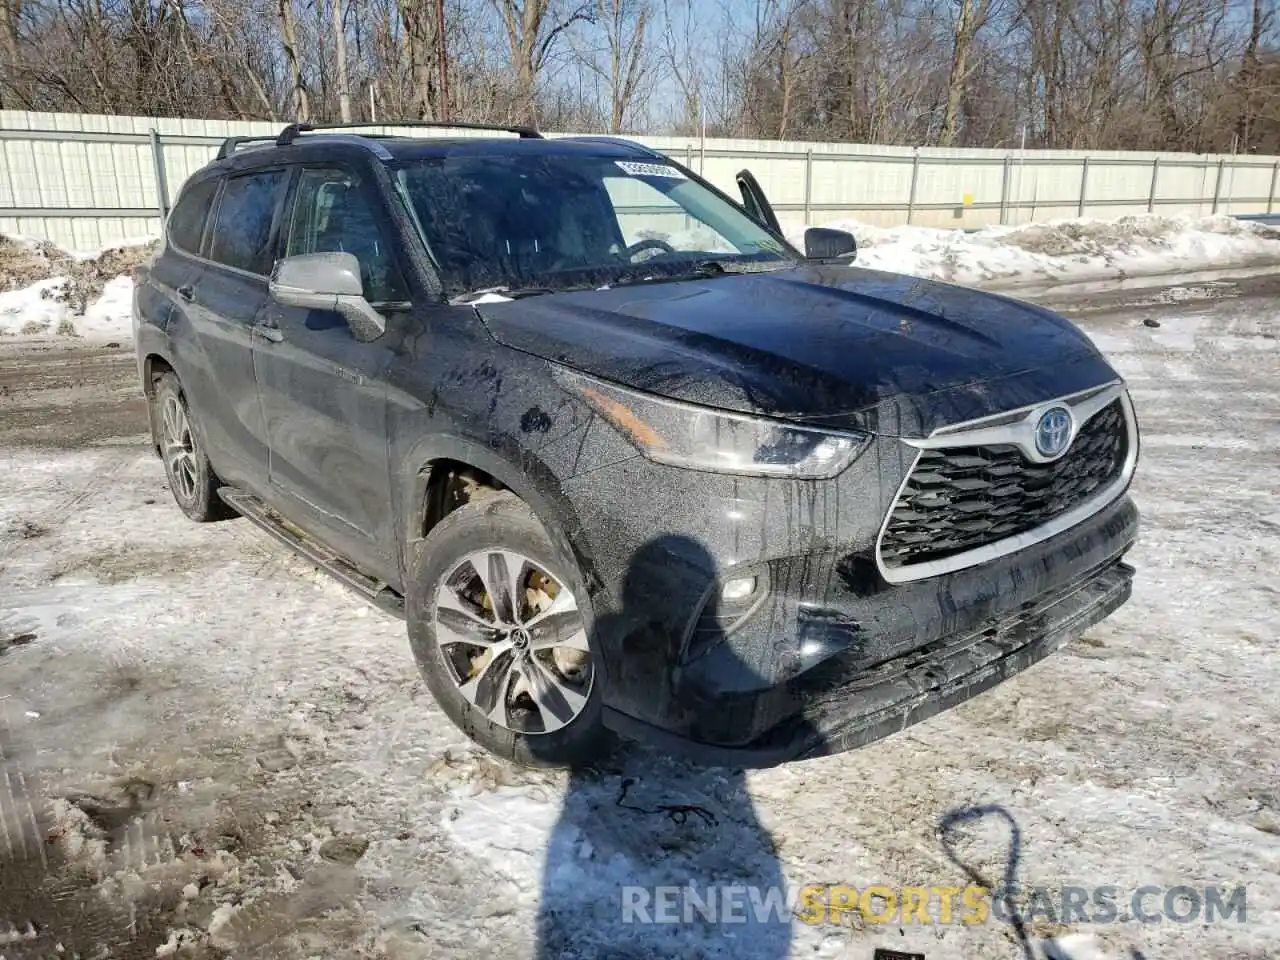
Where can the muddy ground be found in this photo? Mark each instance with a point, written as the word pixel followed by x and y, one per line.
pixel 208 749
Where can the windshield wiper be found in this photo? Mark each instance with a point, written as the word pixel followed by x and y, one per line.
pixel 506 293
pixel 705 268
pixel 748 266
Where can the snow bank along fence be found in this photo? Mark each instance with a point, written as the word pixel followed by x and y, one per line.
pixel 86 181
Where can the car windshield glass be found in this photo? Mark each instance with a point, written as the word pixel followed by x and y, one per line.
pixel 549 223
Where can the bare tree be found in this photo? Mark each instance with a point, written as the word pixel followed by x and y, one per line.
pixel 422 42
pixel 620 57
pixel 289 38
pixel 1247 81
pixel 237 56
pixel 971 16
pixel 533 27
pixel 679 59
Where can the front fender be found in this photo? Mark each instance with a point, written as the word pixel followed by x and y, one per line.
pixel 522 472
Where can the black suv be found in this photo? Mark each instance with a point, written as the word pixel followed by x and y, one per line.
pixel 625 460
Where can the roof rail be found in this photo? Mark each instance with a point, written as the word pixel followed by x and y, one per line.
pixel 290 133
pixel 231 144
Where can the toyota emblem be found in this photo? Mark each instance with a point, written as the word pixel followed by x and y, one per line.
pixel 1053 432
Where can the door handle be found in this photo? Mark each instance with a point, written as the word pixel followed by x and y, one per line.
pixel 187 292
pixel 274 334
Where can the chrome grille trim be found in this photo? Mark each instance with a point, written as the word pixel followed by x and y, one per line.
pixel 1006 429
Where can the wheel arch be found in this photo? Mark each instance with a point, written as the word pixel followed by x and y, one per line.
pixel 153 364
pixel 430 464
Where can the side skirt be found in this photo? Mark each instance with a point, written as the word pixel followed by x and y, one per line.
pixel 372 590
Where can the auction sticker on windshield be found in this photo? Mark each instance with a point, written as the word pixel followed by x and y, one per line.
pixel 650 170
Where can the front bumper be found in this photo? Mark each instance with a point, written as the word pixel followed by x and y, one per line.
pixel 842 707
pixel 837 658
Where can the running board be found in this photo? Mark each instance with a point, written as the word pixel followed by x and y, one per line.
pixel 254 510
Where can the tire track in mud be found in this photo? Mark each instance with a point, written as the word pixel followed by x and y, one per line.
pixel 67 396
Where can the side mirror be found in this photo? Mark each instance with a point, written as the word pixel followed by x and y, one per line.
pixel 823 243
pixel 328 281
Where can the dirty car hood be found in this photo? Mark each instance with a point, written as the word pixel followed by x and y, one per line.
pixel 833 345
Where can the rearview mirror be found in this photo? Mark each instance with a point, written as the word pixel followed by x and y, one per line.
pixel 328 281
pixel 823 243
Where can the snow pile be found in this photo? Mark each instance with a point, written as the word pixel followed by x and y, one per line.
pixel 50 293
pixel 41 311
pixel 34 311
pixel 1064 249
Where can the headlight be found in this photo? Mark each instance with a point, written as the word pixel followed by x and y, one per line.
pixel 701 438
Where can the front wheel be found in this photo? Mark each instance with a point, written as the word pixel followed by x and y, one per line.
pixel 500 629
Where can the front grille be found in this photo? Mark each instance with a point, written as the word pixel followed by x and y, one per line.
pixel 961 498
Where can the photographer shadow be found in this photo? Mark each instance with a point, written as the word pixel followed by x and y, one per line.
pixel 652 856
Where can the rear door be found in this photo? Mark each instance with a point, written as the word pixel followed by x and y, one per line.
pixel 322 391
pixel 164 299
pixel 225 298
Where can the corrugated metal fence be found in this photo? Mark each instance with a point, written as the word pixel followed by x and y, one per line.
pixel 86 181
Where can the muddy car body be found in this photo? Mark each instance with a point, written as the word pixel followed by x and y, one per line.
pixel 625 460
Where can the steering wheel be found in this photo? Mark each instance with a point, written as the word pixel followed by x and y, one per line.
pixel 648 243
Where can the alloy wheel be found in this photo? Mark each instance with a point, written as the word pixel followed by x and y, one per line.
pixel 179 448
pixel 514 640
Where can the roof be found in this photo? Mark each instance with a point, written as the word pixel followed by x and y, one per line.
pixel 396 148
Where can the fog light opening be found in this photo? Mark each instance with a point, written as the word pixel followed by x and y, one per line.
pixel 738 589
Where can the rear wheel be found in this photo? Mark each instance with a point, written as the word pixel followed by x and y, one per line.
pixel 501 631
pixel 192 481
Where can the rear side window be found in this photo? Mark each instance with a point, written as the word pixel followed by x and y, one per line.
pixel 242 231
pixel 186 222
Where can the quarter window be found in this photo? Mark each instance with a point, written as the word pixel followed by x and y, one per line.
pixel 186 222
pixel 332 214
pixel 242 232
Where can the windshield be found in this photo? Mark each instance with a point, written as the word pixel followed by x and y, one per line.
pixel 563 222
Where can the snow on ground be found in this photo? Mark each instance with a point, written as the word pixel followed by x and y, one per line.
pixel 225 752
pixel 1063 250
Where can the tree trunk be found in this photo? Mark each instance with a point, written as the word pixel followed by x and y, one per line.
pixel 522 22
pixel 968 21
pixel 8 54
pixel 420 21
pixel 786 79
pixel 8 44
pixel 289 33
pixel 1248 78
pixel 340 56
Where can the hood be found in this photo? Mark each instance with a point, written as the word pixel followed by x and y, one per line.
pixel 828 345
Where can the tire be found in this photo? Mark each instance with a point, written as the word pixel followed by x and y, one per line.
pixel 192 481
pixel 535 701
